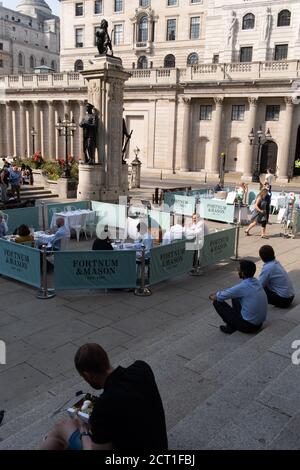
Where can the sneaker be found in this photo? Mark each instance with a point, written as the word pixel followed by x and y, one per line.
pixel 227 329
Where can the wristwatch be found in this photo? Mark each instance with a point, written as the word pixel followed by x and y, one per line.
pixel 85 433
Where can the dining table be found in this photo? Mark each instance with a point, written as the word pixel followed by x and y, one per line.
pixel 78 217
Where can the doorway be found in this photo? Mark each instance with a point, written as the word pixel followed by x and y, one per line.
pixel 268 158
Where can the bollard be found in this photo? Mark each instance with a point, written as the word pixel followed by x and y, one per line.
pixel 143 291
pixel 45 293
pixel 237 240
pixel 161 175
pixel 43 217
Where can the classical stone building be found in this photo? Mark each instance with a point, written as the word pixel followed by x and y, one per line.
pixel 29 37
pixel 183 117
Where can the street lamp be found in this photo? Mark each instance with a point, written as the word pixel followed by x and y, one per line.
pixel 33 134
pixel 66 129
pixel 257 139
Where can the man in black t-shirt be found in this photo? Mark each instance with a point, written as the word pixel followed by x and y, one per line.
pixel 128 415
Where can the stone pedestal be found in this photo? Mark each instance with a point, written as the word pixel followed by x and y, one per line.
pixel 108 179
pixel 66 189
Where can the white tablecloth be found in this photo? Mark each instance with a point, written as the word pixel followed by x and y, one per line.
pixel 72 218
pixel 279 201
pixel 42 238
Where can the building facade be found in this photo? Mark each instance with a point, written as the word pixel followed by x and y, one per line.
pixel 182 117
pixel 29 38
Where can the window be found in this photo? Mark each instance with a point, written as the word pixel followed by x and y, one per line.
pixel 21 60
pixel 118 34
pixel 1 46
pixel 171 30
pixel 98 7
pixel 43 61
pixel 144 3
pixel 192 59
pixel 142 62
pixel 79 37
pixel 195 1
pixel 281 52
pixel 246 54
pixel 216 58
pixel 78 66
pixel 205 112
pixel 195 27
pixel 78 9
pixel 169 61
pixel 143 29
pixel 32 62
pixel 172 3
pixel 53 65
pixel 97 28
pixel 238 112
pixel 1 63
pixel 118 5
pixel 272 112
pixel 284 18
pixel 248 21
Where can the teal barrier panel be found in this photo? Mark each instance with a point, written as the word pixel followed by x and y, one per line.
pixel 113 215
pixel 95 270
pixel 169 261
pixel 20 262
pixel 218 246
pixel 214 209
pixel 184 205
pixel 169 199
pixel 252 196
pixel 53 208
pixel 159 219
pixel 17 217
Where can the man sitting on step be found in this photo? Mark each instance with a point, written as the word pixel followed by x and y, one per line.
pixel 128 414
pixel 275 279
pixel 249 302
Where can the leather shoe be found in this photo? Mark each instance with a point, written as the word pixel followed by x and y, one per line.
pixel 227 329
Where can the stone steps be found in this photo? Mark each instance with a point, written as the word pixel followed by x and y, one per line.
pixel 35 192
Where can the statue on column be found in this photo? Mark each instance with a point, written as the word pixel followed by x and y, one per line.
pixel 231 28
pixel 89 124
pixel 103 40
pixel 267 25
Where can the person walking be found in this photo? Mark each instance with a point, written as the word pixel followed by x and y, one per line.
pixel 259 215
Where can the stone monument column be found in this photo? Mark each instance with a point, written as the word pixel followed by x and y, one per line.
pixel 215 157
pixel 37 125
pixel 248 149
pixel 23 129
pixel 185 161
pixel 9 129
pixel 284 153
pixel 107 179
pixel 51 130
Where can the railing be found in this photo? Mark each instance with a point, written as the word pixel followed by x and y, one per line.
pixel 275 70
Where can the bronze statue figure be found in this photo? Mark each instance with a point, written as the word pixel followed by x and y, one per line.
pixel 89 124
pixel 103 40
pixel 125 143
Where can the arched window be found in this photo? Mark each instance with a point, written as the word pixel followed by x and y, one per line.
pixel 192 59
pixel 78 66
pixel 248 21
pixel 43 61
pixel 32 62
pixel 142 62
pixel 143 29
pixel 21 60
pixel 284 18
pixel 169 61
pixel 53 65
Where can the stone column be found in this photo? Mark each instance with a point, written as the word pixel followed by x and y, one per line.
pixel 67 108
pixel 284 151
pixel 9 129
pixel 23 130
pixel 37 125
pixel 185 164
pixel 51 131
pixel 215 157
pixel 248 149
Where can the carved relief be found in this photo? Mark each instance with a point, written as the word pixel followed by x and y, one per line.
pixel 218 100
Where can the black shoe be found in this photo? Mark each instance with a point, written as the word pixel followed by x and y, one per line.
pixel 227 329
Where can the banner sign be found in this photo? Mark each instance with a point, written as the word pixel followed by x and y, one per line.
pixel 17 217
pixel 218 246
pixel 113 215
pixel 20 262
pixel 55 208
pixel 215 209
pixel 95 270
pixel 184 205
pixel 169 199
pixel 169 261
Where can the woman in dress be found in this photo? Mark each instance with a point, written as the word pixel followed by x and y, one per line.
pixel 259 214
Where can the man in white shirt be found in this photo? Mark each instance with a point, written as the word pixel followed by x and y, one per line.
pixel 269 178
pixel 275 279
pixel 198 228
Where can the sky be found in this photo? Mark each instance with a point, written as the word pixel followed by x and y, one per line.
pixel 53 4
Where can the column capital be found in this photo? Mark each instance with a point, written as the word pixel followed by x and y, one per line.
pixel 185 100
pixel 289 100
pixel 218 100
pixel 253 100
pixel 50 102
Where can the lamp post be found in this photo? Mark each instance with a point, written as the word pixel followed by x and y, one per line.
pixel 33 134
pixel 258 139
pixel 136 169
pixel 66 129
